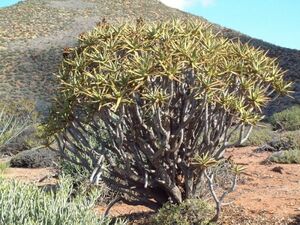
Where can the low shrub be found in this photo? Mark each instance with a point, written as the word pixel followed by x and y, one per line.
pixel 10 127
pixel 75 171
pixel 18 121
pixel 288 119
pixel 35 158
pixel 293 136
pixel 260 135
pixel 276 145
pixel 81 181
pixel 191 211
pixel 286 157
pixel 264 133
pixel 26 204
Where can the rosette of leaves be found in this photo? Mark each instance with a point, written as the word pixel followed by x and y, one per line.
pixel 152 96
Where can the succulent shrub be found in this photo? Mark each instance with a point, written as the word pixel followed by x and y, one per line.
pixel 27 204
pixel 153 97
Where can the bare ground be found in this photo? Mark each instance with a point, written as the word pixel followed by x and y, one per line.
pixel 265 190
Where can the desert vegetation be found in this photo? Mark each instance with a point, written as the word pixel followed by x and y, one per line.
pixel 18 124
pixel 151 126
pixel 290 156
pixel 190 211
pixel 162 111
pixel 150 108
pixel 12 124
pixel 27 204
pixel 288 120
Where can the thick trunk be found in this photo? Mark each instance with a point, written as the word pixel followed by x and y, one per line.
pixel 176 194
pixel 169 185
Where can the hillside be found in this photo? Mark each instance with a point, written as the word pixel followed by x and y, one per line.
pixel 33 34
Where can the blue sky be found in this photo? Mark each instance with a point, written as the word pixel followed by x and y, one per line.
pixel 7 2
pixel 274 21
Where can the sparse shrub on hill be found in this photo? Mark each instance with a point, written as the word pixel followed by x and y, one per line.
pixel 161 102
pixel 27 204
pixel 288 120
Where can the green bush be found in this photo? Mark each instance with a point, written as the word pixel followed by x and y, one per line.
pixel 288 119
pixel 34 137
pixel 23 109
pixel 191 211
pixel 26 204
pixel 286 157
pixel 263 134
pixel 77 172
pixel 292 136
pixel 260 135
pixel 81 183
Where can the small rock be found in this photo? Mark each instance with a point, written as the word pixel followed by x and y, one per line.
pixel 35 158
pixel 277 169
pixel 276 146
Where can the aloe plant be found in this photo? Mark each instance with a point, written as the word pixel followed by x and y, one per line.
pixel 153 96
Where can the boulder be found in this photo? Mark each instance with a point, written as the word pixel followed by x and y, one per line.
pixel 35 158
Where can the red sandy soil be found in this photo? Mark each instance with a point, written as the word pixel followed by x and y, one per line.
pixel 261 191
pixel 38 176
pixel 264 190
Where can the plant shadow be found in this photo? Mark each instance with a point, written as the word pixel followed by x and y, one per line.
pixel 296 220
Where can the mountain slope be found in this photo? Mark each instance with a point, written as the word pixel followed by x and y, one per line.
pixel 34 33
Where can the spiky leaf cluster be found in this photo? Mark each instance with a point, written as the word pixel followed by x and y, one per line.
pixel 113 63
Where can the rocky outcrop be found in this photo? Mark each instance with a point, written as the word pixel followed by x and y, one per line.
pixel 35 158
